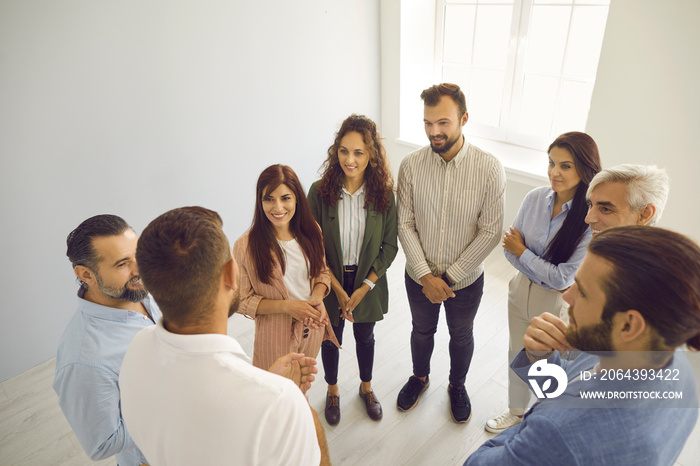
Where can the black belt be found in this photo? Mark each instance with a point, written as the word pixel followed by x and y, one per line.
pixel 349 268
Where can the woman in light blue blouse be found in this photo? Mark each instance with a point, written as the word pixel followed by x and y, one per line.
pixel 546 244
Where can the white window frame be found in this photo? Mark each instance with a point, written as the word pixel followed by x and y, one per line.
pixel 507 131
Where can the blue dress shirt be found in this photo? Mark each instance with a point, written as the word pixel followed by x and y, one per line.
pixel 571 430
pixel 87 373
pixel 534 222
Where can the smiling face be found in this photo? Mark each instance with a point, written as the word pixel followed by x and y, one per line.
pixel 443 126
pixel 562 173
pixel 608 207
pixel 586 298
pixel 279 207
pixel 353 156
pixel 117 275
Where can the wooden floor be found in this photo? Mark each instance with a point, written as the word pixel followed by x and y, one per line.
pixel 33 430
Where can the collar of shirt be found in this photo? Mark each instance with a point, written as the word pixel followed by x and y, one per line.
pixel 113 314
pixel 203 343
pixel 461 155
pixel 550 201
pixel 357 193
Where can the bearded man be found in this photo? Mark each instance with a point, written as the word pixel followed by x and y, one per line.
pixel 113 306
pixel 629 396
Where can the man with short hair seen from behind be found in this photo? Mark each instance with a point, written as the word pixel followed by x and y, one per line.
pixel 211 405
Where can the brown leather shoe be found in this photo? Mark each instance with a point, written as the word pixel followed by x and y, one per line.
pixel 374 409
pixel 332 411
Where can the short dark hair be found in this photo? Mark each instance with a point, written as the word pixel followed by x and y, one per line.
pixel 79 242
pixel 656 272
pixel 431 96
pixel 181 255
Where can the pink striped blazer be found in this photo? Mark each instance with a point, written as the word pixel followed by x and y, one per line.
pixel 275 334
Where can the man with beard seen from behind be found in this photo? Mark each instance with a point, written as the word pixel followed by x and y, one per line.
pixel 635 301
pixel 212 405
pixel 113 306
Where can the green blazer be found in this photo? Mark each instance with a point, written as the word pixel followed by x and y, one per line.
pixel 379 248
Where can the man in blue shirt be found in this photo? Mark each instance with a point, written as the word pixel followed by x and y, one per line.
pixel 113 305
pixel 630 396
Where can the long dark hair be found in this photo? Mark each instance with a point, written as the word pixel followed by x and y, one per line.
pixel 262 244
pixel 378 179
pixel 587 162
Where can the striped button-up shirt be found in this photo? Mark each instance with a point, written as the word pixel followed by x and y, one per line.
pixel 450 213
pixel 352 215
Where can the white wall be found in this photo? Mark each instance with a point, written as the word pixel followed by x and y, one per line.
pixel 646 102
pixel 137 107
pixel 645 106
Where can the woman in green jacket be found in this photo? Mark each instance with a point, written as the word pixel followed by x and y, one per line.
pixel 355 206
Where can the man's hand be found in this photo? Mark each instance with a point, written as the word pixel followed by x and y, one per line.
pixel 297 368
pixel 435 289
pixel 546 334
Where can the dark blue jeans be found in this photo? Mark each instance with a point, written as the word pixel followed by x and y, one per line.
pixel 364 344
pixel 459 312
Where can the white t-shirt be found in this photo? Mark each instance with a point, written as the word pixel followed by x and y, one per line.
pixel 196 399
pixel 296 273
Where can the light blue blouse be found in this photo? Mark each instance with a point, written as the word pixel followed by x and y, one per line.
pixel 534 222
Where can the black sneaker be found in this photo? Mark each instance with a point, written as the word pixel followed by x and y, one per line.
pixel 460 406
pixel 409 394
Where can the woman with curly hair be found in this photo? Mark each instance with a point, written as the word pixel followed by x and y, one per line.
pixel 283 271
pixel 354 204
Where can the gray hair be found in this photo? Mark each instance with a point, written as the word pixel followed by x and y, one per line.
pixel 646 184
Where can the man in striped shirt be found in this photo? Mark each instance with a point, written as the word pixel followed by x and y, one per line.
pixel 450 207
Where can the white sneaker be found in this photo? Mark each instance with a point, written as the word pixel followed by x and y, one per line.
pixel 502 422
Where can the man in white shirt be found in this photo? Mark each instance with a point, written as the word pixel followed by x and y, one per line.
pixel 450 207
pixel 197 399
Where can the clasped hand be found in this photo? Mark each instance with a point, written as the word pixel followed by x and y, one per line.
pixel 296 367
pixel 435 289
pixel 347 304
pixel 311 313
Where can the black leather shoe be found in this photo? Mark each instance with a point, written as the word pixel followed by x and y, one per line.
pixel 332 409
pixel 409 394
pixel 374 409
pixel 460 406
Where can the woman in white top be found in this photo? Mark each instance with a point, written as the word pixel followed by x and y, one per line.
pixel 284 277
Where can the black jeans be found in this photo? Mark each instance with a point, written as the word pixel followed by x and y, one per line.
pixel 364 343
pixel 459 312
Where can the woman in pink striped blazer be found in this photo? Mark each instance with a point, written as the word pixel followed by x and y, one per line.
pixel 283 271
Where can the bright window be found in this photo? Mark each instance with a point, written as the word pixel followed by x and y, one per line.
pixel 527 66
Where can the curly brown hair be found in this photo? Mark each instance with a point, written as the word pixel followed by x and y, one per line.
pixel 378 179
